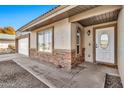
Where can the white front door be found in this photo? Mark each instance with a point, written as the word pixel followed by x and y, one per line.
pixel 23 46
pixel 105 45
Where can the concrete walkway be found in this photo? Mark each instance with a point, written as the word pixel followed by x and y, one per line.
pixel 86 75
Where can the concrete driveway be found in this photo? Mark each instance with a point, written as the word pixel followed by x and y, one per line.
pixel 86 75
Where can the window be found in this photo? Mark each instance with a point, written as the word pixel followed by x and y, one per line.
pixel 104 41
pixel 45 40
pixel 78 41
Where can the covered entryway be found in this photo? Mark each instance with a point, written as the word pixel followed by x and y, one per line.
pixel 99 34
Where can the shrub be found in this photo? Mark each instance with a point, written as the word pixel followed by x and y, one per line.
pixel 11 46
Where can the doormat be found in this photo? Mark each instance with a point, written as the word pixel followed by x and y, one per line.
pixel 112 81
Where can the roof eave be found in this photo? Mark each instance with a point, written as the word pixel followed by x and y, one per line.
pixel 58 10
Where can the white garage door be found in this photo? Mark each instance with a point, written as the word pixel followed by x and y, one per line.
pixel 23 46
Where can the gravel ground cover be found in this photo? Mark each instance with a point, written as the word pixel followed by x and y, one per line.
pixel 113 81
pixel 14 76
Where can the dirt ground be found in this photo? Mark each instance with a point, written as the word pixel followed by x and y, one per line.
pixel 14 76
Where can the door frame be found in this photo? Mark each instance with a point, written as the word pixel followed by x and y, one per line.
pixel 115 43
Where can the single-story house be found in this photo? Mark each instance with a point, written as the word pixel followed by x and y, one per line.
pixel 5 40
pixel 69 35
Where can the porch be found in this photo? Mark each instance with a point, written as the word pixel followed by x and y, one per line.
pixel 86 75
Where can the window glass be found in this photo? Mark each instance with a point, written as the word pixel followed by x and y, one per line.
pixel 40 42
pixel 78 49
pixel 78 37
pixel 104 41
pixel 45 41
pixel 78 42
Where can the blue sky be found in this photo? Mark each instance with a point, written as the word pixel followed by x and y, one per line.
pixel 19 15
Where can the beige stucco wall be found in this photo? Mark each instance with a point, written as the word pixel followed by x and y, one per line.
pixel 62 35
pixel 88 49
pixel 33 40
pixel 121 44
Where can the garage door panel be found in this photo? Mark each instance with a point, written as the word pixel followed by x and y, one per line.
pixel 24 46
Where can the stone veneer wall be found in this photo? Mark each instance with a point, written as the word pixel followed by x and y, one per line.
pixel 77 59
pixel 60 57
